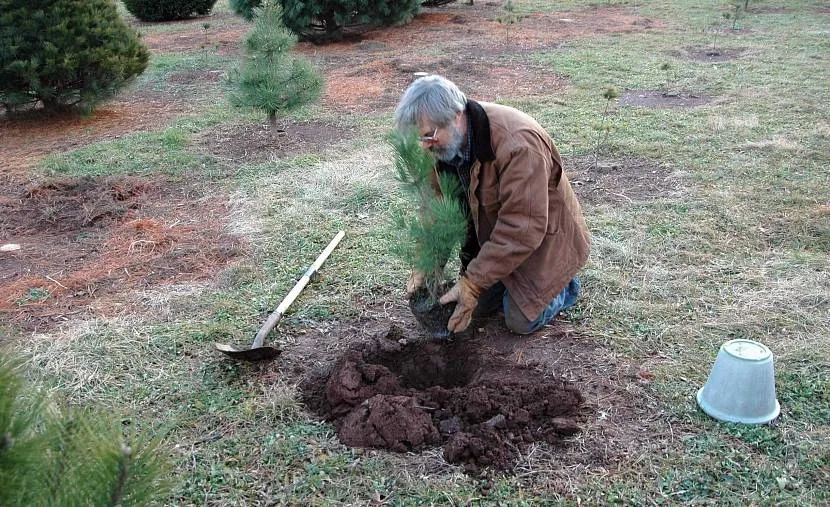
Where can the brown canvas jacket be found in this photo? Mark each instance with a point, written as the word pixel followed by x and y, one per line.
pixel 529 224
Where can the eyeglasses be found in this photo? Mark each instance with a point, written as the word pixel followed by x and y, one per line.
pixel 430 138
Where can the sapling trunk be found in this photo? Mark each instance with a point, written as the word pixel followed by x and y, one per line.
pixel 599 134
pixel 272 123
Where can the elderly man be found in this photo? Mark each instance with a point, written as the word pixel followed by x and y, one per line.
pixel 527 238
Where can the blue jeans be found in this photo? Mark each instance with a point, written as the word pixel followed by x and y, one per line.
pixel 513 316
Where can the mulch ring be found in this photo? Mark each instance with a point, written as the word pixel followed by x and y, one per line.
pixel 624 180
pixel 659 99
pixel 84 241
pixel 489 400
pixel 254 142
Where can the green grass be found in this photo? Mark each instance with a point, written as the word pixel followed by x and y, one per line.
pixel 741 252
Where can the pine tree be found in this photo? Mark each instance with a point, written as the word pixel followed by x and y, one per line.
pixel 271 78
pixel 168 10
pixel 325 20
pixel 51 457
pixel 439 224
pixel 65 53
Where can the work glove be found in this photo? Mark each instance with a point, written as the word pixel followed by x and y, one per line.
pixel 466 294
pixel 415 282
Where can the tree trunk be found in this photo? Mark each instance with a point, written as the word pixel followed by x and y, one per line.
pixel 272 123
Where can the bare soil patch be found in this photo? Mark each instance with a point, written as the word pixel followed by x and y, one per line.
pixel 620 181
pixel 235 144
pixel 83 241
pixel 377 85
pixel 710 54
pixel 658 99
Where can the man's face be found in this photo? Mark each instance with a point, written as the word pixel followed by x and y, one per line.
pixel 443 142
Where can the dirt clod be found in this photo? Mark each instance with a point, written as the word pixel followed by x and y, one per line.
pixel 483 408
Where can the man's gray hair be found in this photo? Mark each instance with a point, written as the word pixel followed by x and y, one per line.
pixel 433 98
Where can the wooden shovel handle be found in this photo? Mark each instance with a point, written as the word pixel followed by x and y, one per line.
pixel 275 317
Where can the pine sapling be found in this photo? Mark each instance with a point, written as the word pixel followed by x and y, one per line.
pixel 716 28
pixel 271 79
pixel 666 67
pixel 609 94
pixel 206 43
pixel 55 456
pixel 509 17
pixel 439 224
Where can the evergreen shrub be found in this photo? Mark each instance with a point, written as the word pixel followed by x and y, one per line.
pixel 326 20
pixel 168 10
pixel 65 53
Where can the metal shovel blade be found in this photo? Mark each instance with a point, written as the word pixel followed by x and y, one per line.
pixel 257 354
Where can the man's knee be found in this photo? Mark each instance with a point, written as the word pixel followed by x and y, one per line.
pixel 516 320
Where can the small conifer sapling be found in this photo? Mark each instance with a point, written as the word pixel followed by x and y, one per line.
pixel 439 225
pixel 609 94
pixel 509 17
pixel 55 456
pixel 666 67
pixel 206 43
pixel 271 79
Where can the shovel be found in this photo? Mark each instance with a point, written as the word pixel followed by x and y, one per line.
pixel 257 352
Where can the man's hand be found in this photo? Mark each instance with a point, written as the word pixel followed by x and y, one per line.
pixel 415 282
pixel 466 293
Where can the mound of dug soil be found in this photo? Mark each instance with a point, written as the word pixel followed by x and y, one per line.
pixel 482 408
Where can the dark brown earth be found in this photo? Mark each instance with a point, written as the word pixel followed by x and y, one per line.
pixel 233 145
pixel 484 410
pixel 710 54
pixel 619 414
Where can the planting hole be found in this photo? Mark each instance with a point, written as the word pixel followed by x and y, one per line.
pixel 482 408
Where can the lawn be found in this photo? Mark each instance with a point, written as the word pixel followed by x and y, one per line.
pixel 168 220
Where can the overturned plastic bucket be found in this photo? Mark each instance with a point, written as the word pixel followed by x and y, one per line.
pixel 741 385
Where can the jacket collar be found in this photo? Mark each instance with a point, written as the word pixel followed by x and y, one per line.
pixel 481 131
